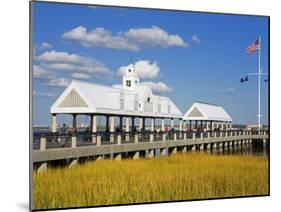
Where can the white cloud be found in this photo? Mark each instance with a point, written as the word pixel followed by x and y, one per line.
pixel 134 39
pixel 158 87
pixel 144 69
pixel 35 93
pixel 51 64
pixel 64 61
pixel 195 39
pixel 54 56
pixel 46 45
pixel 41 73
pixel 59 82
pixel 154 37
pixel 99 37
pixel 227 90
pixel 80 76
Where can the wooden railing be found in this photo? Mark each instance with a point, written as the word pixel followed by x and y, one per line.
pixel 45 141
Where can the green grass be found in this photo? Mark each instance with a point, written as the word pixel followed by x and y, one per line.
pixel 178 177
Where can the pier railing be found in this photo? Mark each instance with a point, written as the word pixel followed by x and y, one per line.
pixel 45 141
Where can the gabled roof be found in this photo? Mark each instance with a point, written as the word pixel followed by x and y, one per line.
pixel 94 96
pixel 85 97
pixel 206 111
pixel 174 108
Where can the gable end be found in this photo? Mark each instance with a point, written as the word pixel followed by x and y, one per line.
pixel 73 99
pixel 195 113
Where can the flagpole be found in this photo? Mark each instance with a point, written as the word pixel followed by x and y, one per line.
pixel 259 87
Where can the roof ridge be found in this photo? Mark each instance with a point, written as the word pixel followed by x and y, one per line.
pixel 96 84
pixel 206 103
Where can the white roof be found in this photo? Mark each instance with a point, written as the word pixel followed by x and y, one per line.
pixel 208 112
pixel 85 97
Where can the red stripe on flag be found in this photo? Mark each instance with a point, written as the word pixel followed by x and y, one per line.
pixel 252 48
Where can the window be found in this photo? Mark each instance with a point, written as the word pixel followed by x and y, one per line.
pixel 136 82
pixel 128 83
pixel 148 99
pixel 129 70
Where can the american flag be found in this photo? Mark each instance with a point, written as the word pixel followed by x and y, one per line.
pixel 254 46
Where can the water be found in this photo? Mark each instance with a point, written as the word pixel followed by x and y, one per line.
pixel 256 148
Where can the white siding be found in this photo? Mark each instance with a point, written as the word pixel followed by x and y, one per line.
pixel 122 101
pixel 148 107
pixel 164 107
pixel 129 102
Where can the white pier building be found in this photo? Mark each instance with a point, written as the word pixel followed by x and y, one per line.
pixel 210 116
pixel 130 100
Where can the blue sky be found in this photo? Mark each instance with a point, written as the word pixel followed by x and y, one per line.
pixel 189 56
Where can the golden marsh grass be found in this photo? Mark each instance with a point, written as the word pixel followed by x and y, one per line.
pixel 178 177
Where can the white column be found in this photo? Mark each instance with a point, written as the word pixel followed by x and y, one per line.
pixel 180 123
pixel 112 124
pixel 152 125
pixel 94 123
pixel 94 127
pixel 54 123
pixel 207 125
pixel 140 123
pixel 127 128
pixel 172 123
pixel 112 129
pixel 152 130
pixel 184 130
pixel 163 129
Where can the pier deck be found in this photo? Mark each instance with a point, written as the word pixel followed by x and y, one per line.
pixel 44 154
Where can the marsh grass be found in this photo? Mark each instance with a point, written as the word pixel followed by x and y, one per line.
pixel 178 177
